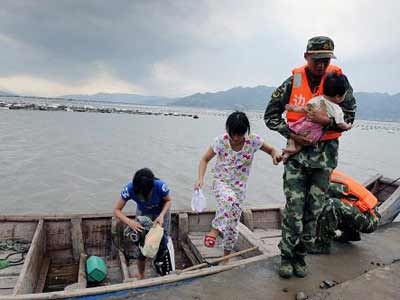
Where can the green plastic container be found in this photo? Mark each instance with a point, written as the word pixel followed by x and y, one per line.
pixel 96 269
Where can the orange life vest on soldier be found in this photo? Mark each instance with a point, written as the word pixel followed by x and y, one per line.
pixel 366 200
pixel 301 94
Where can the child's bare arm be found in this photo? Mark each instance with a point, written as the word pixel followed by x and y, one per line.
pixel 203 167
pixel 271 150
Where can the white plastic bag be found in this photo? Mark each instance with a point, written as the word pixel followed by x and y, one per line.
pixel 199 202
pixel 152 241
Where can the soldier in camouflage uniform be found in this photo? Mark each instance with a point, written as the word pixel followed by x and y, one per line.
pixel 307 173
pixel 338 215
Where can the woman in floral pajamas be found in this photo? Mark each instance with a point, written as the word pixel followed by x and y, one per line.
pixel 235 151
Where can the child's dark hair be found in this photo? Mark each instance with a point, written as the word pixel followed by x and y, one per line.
pixel 143 182
pixel 335 85
pixel 237 123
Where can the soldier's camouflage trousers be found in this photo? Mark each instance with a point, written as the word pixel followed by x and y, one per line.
pixel 339 215
pixel 305 190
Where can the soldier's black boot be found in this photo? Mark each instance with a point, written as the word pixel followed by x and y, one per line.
pixel 299 266
pixel 285 268
pixel 349 235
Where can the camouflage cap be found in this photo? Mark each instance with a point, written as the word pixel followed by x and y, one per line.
pixel 320 47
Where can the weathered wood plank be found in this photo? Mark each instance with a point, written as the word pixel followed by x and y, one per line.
pixel 194 249
pixel 61 276
pixel 5 292
pixel 114 274
pixel 183 229
pixel 390 208
pixel 23 230
pixel 28 278
pixel 371 181
pixel 115 227
pixel 78 246
pixel 66 216
pixel 208 253
pixel 248 239
pixel 59 257
pixel 248 218
pixel 198 233
pixel 82 282
pixel 97 234
pixel 124 267
pixel 186 250
pixel 267 219
pixel 200 222
pixel 148 273
pixel 203 252
pixel 43 275
pixel 8 282
pixel 397 219
pixel 58 235
pixel 261 233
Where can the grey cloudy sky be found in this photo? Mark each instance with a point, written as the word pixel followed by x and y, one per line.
pixel 176 48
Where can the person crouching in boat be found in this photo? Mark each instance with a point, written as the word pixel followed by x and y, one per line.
pixel 235 152
pixel 350 208
pixel 152 199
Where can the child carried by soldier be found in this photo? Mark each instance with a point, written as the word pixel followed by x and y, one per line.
pixel 334 92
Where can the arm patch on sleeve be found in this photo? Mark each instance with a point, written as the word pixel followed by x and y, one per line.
pixel 125 193
pixel 165 188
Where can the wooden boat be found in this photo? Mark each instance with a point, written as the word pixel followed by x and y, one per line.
pixel 58 246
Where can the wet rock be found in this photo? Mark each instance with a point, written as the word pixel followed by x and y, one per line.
pixel 301 296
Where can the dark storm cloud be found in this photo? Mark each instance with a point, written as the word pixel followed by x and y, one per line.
pixel 67 40
pixel 175 48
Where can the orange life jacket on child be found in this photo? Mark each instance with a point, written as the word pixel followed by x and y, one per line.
pixel 366 200
pixel 301 94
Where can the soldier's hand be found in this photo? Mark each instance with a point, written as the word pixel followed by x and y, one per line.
pixel 302 140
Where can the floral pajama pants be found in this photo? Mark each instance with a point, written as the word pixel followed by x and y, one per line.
pixel 228 212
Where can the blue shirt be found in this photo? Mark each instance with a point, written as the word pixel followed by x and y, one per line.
pixel 155 204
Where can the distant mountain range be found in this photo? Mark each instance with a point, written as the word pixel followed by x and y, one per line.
pixel 7 93
pixel 371 106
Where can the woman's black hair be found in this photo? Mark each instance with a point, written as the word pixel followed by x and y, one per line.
pixel 143 182
pixel 335 85
pixel 237 123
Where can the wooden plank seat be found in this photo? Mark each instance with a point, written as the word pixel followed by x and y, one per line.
pixel 28 278
pixel 203 253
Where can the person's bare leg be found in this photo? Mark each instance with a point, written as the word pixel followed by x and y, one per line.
pixel 226 252
pixel 291 147
pixel 141 264
pixel 213 232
